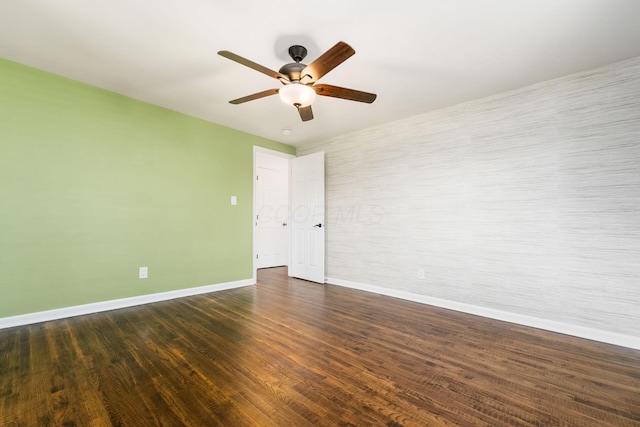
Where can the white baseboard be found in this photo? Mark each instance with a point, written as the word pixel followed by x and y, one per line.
pixel 79 310
pixel 549 325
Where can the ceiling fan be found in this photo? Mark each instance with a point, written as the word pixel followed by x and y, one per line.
pixel 299 80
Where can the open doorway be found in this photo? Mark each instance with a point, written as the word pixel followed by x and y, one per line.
pixel 271 208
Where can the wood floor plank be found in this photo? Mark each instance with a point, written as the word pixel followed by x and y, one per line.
pixel 290 352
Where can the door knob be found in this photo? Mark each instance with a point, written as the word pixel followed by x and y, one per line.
pixel 318 225
pixel 284 224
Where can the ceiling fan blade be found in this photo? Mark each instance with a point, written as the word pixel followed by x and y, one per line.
pixel 326 62
pixel 344 93
pixel 306 113
pixel 244 61
pixel 258 95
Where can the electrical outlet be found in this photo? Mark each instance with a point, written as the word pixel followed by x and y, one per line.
pixel 143 273
pixel 421 273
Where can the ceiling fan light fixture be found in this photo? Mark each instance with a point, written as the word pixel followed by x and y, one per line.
pixel 297 94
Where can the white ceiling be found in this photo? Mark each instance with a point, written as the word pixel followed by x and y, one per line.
pixel 417 55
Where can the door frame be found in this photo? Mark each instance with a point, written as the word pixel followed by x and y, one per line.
pixel 274 153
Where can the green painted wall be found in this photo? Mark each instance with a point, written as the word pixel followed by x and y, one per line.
pixel 94 185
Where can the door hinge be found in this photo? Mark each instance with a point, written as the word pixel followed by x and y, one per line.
pixel 256 256
pixel 257 177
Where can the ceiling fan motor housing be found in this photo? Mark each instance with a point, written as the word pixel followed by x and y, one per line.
pixel 292 70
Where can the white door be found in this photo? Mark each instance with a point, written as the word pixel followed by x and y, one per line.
pixel 272 210
pixel 307 217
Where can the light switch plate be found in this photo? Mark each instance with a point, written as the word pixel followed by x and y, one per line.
pixel 143 273
pixel 234 200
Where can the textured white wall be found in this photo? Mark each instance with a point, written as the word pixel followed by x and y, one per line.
pixel 527 202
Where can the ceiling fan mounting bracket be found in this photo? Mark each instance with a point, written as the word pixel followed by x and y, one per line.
pixel 297 52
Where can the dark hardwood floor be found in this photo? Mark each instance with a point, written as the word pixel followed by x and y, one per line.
pixel 293 353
